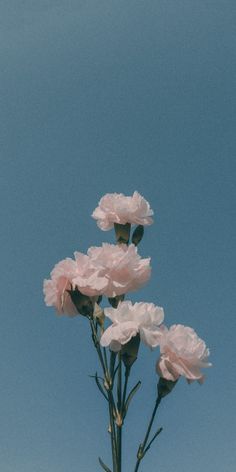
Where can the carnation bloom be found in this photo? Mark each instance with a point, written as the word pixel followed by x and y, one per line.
pixel 88 279
pixel 112 270
pixel 128 320
pixel 55 289
pixel 182 353
pixel 117 208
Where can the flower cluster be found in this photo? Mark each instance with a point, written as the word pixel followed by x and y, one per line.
pixel 113 271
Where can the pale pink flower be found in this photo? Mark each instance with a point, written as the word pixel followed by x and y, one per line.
pixel 55 289
pixel 128 320
pixel 118 208
pixel 182 353
pixel 112 270
pixel 88 278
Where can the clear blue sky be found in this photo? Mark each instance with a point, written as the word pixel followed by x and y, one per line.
pixel 116 96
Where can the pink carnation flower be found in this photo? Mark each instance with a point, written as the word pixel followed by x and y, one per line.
pixel 182 353
pixel 111 270
pixel 117 208
pixel 108 270
pixel 88 279
pixel 128 320
pixel 55 289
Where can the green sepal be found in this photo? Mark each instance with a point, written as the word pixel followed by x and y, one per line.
pixel 129 351
pixel 122 233
pixel 164 386
pixel 138 235
pixel 114 301
pixel 83 303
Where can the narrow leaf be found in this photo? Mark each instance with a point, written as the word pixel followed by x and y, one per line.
pixel 131 394
pixel 99 386
pixel 153 439
pixel 104 466
pixel 114 373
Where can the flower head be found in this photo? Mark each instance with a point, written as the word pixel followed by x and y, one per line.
pixel 128 320
pixel 182 353
pixel 112 270
pixel 55 289
pixel 107 270
pixel 118 208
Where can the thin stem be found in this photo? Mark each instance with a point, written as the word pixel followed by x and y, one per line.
pixel 141 450
pixel 112 363
pixel 119 385
pixel 109 393
pixel 113 434
pixel 119 419
pixel 127 372
pixel 98 349
pixel 105 357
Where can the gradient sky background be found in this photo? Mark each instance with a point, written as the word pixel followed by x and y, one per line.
pixel 116 96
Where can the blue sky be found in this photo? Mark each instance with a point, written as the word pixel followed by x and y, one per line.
pixel 100 97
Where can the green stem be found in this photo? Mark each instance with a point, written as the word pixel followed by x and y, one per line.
pixel 113 434
pixel 108 386
pixel 98 349
pixel 127 372
pixel 141 450
pixel 112 363
pixel 105 358
pixel 119 419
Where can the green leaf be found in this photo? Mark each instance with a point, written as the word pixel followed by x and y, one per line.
pixel 153 439
pixel 114 373
pixel 99 385
pixel 104 466
pixel 131 394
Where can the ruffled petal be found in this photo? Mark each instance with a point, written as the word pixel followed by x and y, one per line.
pixel 120 333
pixel 151 337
